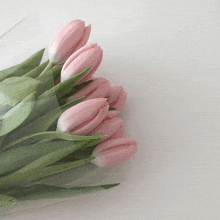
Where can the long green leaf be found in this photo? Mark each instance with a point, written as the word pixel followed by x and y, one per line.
pixel 41 107
pixel 22 174
pixel 48 79
pixel 50 135
pixel 42 191
pixel 16 158
pixel 24 67
pixel 17 115
pixel 79 154
pixel 56 169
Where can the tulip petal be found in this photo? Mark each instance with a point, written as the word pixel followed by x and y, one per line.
pixel 84 38
pixel 120 133
pixel 100 92
pixel 92 71
pixel 65 40
pixel 79 114
pixel 75 55
pixel 117 97
pixel 115 155
pixel 87 56
pixel 113 93
pixel 86 127
pixel 112 142
pixel 107 127
pixel 113 113
pixel 121 101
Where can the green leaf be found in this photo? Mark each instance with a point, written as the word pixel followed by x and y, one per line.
pixel 48 79
pixel 79 154
pixel 17 115
pixel 17 88
pixel 49 101
pixel 108 186
pixel 42 106
pixel 22 175
pixel 56 169
pixel 41 124
pixel 42 191
pixel 7 200
pixel 43 73
pixel 24 67
pixel 50 135
pixel 64 88
pixel 16 158
pixel 77 88
pixel 36 71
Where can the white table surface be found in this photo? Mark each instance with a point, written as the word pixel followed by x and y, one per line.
pixel 165 54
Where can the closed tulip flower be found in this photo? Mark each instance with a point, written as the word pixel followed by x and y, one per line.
pixel 98 88
pixel 114 151
pixel 88 56
pixel 69 39
pixel 108 127
pixel 83 117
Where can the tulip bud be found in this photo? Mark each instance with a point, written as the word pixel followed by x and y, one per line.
pixel 69 39
pixel 98 88
pixel 114 151
pixel 116 97
pixel 83 117
pixel 88 56
pixel 108 127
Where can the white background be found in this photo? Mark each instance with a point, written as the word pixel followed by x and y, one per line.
pixel 165 54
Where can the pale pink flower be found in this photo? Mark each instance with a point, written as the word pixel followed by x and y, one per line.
pixel 88 56
pixel 83 117
pixel 114 151
pixel 69 39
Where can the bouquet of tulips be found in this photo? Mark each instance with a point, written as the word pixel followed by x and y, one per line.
pixel 55 116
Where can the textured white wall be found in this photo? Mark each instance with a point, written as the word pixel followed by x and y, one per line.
pixel 165 53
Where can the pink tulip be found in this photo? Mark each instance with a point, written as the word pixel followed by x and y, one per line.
pixel 69 39
pixel 108 127
pixel 116 97
pixel 88 56
pixel 98 88
pixel 114 151
pixel 83 117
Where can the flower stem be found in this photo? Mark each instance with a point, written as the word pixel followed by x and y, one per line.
pixel 78 163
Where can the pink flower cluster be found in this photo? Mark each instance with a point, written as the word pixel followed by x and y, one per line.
pixel 102 103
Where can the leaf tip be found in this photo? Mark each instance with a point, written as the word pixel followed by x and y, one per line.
pixel 107 186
